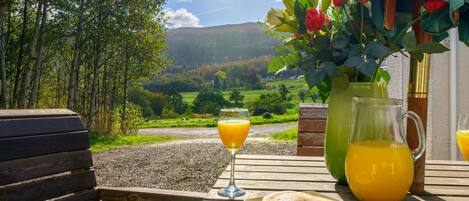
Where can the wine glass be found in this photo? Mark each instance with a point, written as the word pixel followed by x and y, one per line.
pixel 233 128
pixel 462 135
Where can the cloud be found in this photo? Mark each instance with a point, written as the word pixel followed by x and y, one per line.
pixel 213 11
pixel 275 0
pixel 181 18
pixel 185 1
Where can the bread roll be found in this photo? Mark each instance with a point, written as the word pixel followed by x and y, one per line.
pixel 292 196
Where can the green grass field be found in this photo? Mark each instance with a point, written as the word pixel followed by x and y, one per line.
pixel 250 95
pixel 101 143
pixel 288 135
pixel 212 122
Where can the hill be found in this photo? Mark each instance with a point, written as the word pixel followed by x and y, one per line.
pixel 191 47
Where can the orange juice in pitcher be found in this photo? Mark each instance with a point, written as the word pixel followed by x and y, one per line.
pixel 379 165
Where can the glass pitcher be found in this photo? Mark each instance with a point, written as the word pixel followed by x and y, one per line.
pixel 379 165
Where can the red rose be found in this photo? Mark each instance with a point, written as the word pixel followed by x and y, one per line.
pixel 363 1
pixel 314 20
pixel 338 3
pixel 327 21
pixel 295 35
pixel 435 5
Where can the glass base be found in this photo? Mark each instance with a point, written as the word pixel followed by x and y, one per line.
pixel 231 191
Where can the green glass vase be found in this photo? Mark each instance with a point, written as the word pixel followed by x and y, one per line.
pixel 339 122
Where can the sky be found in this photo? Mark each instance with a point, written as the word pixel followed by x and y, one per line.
pixel 205 13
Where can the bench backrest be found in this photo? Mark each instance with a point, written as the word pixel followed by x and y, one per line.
pixel 44 155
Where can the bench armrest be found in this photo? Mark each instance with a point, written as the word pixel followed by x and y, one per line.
pixel 146 194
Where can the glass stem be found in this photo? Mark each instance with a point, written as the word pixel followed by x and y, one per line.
pixel 233 157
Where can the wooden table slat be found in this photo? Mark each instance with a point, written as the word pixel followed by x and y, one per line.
pixel 262 174
pixel 328 178
pixel 212 195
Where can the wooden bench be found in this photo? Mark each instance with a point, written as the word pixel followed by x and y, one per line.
pixel 44 154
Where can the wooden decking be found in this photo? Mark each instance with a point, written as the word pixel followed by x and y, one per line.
pixel 262 174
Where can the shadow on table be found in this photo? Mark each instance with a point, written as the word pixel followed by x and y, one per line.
pixel 345 194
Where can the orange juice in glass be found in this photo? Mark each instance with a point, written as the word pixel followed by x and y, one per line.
pixel 233 133
pixel 233 128
pixel 462 135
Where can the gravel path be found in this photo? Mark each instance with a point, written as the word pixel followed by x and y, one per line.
pixel 254 131
pixel 187 165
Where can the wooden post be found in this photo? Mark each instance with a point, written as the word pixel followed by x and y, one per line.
pixel 311 129
pixel 418 100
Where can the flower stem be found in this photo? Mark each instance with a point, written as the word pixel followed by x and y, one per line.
pixel 351 24
pixel 407 27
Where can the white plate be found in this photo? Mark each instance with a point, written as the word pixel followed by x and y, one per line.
pixel 315 194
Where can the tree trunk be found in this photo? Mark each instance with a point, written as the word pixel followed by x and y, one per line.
pixel 4 92
pixel 37 74
pixel 92 109
pixel 20 55
pixel 126 80
pixel 25 85
pixel 73 84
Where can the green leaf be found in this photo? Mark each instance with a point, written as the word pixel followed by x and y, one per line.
pixel 437 23
pixel 466 43
pixel 463 29
pixel 301 7
pixel 330 68
pixel 291 59
pixel 274 65
pixel 432 47
pixel 375 50
pixel 314 77
pixel 417 54
pixel 368 68
pixel 382 74
pixel 281 50
pixel 352 61
pixel 340 42
pixel 325 55
pixel 409 41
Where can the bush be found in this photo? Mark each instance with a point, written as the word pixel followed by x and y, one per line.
pixel 149 102
pixel 128 125
pixel 271 103
pixel 168 113
pixel 209 102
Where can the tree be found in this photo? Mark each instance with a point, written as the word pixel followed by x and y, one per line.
pixel 4 83
pixel 219 82
pixel 302 95
pixel 209 102
pixel 237 97
pixel 81 54
pixel 284 93
pixel 271 103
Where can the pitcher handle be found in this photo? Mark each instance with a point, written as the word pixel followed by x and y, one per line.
pixel 418 152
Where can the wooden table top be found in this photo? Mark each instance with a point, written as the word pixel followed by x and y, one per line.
pixel 260 175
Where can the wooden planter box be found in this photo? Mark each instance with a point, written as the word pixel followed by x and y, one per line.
pixel 311 129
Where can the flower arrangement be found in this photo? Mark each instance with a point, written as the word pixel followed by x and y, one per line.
pixel 347 40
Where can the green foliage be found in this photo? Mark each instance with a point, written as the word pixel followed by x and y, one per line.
pixel 168 113
pixel 128 122
pixel 209 102
pixel 237 98
pixel 285 94
pixel 100 143
pixel 151 103
pixel 212 122
pixel 302 95
pixel 288 135
pixel 271 102
pixel 176 101
pixel 354 45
